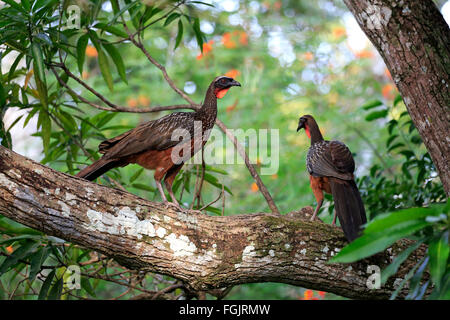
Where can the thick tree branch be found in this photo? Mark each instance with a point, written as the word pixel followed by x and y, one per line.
pixel 414 41
pixel 204 252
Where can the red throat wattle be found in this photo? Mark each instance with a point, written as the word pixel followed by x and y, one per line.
pixel 307 131
pixel 220 93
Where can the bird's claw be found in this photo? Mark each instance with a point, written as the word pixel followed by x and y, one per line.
pixel 173 205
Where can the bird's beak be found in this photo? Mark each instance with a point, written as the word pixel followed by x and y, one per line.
pixel 235 83
pixel 301 124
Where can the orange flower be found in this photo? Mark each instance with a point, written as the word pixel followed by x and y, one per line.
pixel 321 294
pixel 9 249
pixel 243 38
pixel 308 294
pixel 364 54
pixel 227 41
pixel 132 102
pixel 207 47
pixel 91 52
pixel 143 100
pixel 338 32
pixel 254 187
pixel 85 75
pixel 308 56
pixel 233 73
pixel 388 91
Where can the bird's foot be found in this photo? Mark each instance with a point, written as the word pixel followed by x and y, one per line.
pixel 173 205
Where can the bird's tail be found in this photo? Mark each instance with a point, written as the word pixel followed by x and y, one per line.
pixel 349 207
pixel 96 169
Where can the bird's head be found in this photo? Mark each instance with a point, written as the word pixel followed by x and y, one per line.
pixel 304 123
pixel 222 84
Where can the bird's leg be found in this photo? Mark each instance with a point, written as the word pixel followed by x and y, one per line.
pixel 319 205
pixel 334 218
pixel 168 181
pixel 316 187
pixel 161 191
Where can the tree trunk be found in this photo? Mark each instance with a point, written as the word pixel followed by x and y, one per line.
pixel 205 252
pixel 414 41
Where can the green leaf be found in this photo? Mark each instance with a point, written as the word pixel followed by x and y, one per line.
pixel 21 253
pixel 371 104
pixel 438 251
pixel 117 59
pixel 397 99
pixel 390 221
pixel 121 11
pixel 143 187
pixel 15 5
pixel 198 33
pixel 14 66
pixel 38 61
pixel 395 146
pixel 36 262
pixel 179 34
pixel 377 115
pixel 46 285
pixel 171 18
pixel 86 285
pixel 372 243
pixel 2 96
pixel 102 60
pixel 111 29
pixel 81 51
pixel 136 175
pixel 203 3
pixel 46 129
pixel 414 284
pixel 55 292
pixel 390 140
pixel 26 4
pixel 399 259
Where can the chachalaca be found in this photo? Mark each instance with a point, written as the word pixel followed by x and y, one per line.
pixel 151 143
pixel 331 166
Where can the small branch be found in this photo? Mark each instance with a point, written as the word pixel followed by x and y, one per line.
pixel 214 201
pixel 250 167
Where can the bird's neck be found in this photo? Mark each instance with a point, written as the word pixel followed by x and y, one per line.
pixel 313 132
pixel 208 111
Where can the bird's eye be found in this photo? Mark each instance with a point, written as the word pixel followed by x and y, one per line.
pixel 223 80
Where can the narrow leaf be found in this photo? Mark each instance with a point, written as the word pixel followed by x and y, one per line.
pixel 81 51
pixel 46 285
pixel 179 34
pixel 438 251
pixel 117 59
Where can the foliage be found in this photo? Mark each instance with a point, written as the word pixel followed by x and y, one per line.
pixel 428 226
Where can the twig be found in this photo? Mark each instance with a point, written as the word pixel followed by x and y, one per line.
pixel 214 201
pixel 250 167
pixel 167 290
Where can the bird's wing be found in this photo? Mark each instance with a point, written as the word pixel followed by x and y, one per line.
pixel 152 135
pixel 330 159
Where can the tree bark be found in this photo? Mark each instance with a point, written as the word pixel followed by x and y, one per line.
pixel 414 41
pixel 205 252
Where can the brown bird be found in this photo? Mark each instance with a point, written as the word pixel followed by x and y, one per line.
pixel 151 143
pixel 331 166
